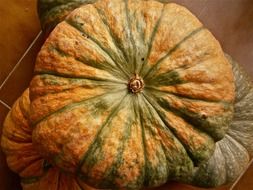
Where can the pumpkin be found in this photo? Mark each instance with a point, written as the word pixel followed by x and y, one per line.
pixel 22 157
pixel 130 94
pixel 52 12
pixel 233 152
pixel 230 158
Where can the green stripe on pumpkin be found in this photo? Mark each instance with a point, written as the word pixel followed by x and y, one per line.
pixel 152 70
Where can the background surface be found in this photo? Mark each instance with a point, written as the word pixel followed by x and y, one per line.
pixel 231 22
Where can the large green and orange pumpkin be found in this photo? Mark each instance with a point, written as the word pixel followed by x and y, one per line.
pixel 130 94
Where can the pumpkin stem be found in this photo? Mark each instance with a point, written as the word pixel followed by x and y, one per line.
pixel 136 84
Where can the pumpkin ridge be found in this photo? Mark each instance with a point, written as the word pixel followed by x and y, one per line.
pixel 116 163
pixel 36 159
pixel 152 39
pixel 194 155
pixel 237 140
pixel 103 137
pixel 131 35
pixel 201 121
pixel 106 67
pixel 69 106
pixel 114 111
pixel 152 69
pixel 152 88
pixel 167 79
pixel 77 27
pixel 166 124
pixel 67 87
pixel 30 180
pixel 144 183
pixel 148 107
pixel 54 73
pixel 111 34
pixel 232 156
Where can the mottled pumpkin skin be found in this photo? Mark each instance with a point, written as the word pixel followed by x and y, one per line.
pixel 230 158
pixel 233 152
pixel 86 119
pixel 52 12
pixel 22 157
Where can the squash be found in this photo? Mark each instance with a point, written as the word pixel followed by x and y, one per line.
pixel 233 152
pixel 52 12
pixel 22 157
pixel 224 166
pixel 130 94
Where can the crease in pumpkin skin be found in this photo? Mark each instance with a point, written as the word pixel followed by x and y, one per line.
pixel 110 174
pixel 94 165
pixel 230 160
pixel 26 176
pixel 208 121
pixel 168 35
pixel 82 161
pixel 116 39
pixel 79 27
pixel 126 75
pixel 148 163
pixel 111 69
pixel 191 53
pixel 193 154
pixel 135 175
pixel 143 142
pixel 152 69
pixel 71 105
pixel 166 145
pixel 61 146
pixel 61 49
pixel 152 40
pixel 131 35
pixel 53 84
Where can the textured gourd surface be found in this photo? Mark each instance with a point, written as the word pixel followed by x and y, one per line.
pixel 23 158
pixel 52 12
pixel 233 152
pixel 230 158
pixel 87 121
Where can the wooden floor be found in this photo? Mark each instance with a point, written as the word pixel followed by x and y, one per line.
pixel 231 21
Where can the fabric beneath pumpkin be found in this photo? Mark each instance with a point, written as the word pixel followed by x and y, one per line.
pixel 35 172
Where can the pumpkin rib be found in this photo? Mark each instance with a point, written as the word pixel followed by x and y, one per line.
pixel 187 97
pixel 69 106
pixel 139 119
pixel 158 62
pixel 152 39
pixel 98 156
pixel 108 67
pixel 75 25
pixel 193 154
pixel 50 17
pixel 144 147
pixel 148 107
pixel 85 155
pixel 39 90
pixel 48 72
pixel 111 34
pixel 201 121
pixel 168 128
pixel 116 164
pixel 30 180
pixel 131 36
pixel 229 174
